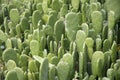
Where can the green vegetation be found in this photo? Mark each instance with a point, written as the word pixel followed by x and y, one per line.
pixel 59 40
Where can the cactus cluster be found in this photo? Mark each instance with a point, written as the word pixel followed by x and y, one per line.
pixel 59 40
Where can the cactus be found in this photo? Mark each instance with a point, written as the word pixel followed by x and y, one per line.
pixel 14 16
pixel 54 60
pixel 80 38
pixel 31 75
pixel 39 7
pixel 11 75
pixel 32 66
pixel 50 55
pixel 92 33
pixel 114 52
pixel 104 32
pixel 34 47
pixel 3 36
pixel 93 7
pixel 63 10
pixel 98 44
pixel 69 59
pixel 59 40
pixel 9 54
pixel 20 73
pixel 85 28
pixel 97 63
pixel 36 16
pixel 111 20
pixel 24 24
pixel 75 4
pixel 43 71
pixel 110 36
pixel 52 73
pixel 97 22
pixel 71 27
pixel 60 52
pixel 111 73
pixel 93 1
pixel 106 45
pixel 56 5
pixel 63 69
pixel 8 43
pixel 59 29
pixel 107 59
pixel 23 61
pixel 14 42
pixel 82 64
pixel 90 43
pixel 45 6
pixel 18 30
pixel 10 65
pixel 6 25
pixel 114 7
pixel 52 19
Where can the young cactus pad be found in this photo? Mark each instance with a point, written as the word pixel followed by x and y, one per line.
pixel 97 63
pixel 63 70
pixel 14 15
pixel 97 21
pixel 71 27
pixel 80 38
pixel 9 54
pixel 43 73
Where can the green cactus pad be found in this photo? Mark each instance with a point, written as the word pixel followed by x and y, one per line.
pixel 11 75
pixel 63 70
pixel 10 65
pixel 36 16
pixel 80 38
pixel 34 47
pixel 14 15
pixel 97 22
pixel 3 36
pixel 71 25
pixel 97 63
pixel 75 4
pixel 52 73
pixel 59 29
pixel 32 66
pixel 10 54
pixel 114 6
pixel 43 71
pixel 111 19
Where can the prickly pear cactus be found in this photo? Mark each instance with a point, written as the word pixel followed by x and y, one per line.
pixel 71 27
pixel 10 65
pixel 114 6
pixel 11 75
pixel 97 63
pixel 34 47
pixel 59 29
pixel 69 59
pixel 10 54
pixel 14 15
pixel 80 38
pixel 97 22
pixel 43 70
pixel 63 69
pixel 59 40
pixel 75 4
pixel 90 44
pixel 32 66
pixel 3 36
pixel 36 16
pixel 52 73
